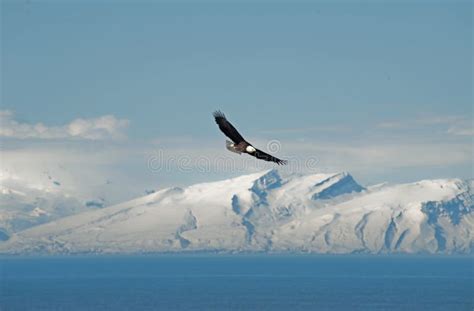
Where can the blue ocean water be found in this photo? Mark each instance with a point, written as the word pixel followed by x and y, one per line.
pixel 241 282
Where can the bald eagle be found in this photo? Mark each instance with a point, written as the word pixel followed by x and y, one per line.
pixel 239 144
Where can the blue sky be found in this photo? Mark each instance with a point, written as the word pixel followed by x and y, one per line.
pixel 345 74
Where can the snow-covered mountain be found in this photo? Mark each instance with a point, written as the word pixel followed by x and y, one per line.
pixel 321 213
pixel 24 204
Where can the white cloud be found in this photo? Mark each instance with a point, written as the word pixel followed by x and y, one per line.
pixel 84 169
pixel 454 125
pixel 118 171
pixel 385 155
pixel 433 120
pixel 460 130
pixel 104 127
pixel 371 156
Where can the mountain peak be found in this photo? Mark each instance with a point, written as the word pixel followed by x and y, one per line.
pixel 269 180
pixel 321 213
pixel 335 185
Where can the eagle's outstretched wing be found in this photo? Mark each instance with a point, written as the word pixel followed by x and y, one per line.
pixel 259 154
pixel 227 128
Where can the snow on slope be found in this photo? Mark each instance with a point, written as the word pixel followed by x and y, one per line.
pixel 400 218
pixel 41 192
pixel 322 213
pixel 24 205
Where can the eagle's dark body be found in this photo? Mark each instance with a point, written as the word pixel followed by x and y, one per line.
pixel 239 144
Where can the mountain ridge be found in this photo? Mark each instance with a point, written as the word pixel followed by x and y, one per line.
pixel 317 213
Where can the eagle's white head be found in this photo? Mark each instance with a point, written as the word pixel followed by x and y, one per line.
pixel 250 149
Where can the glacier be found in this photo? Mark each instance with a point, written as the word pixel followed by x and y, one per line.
pixel 268 212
